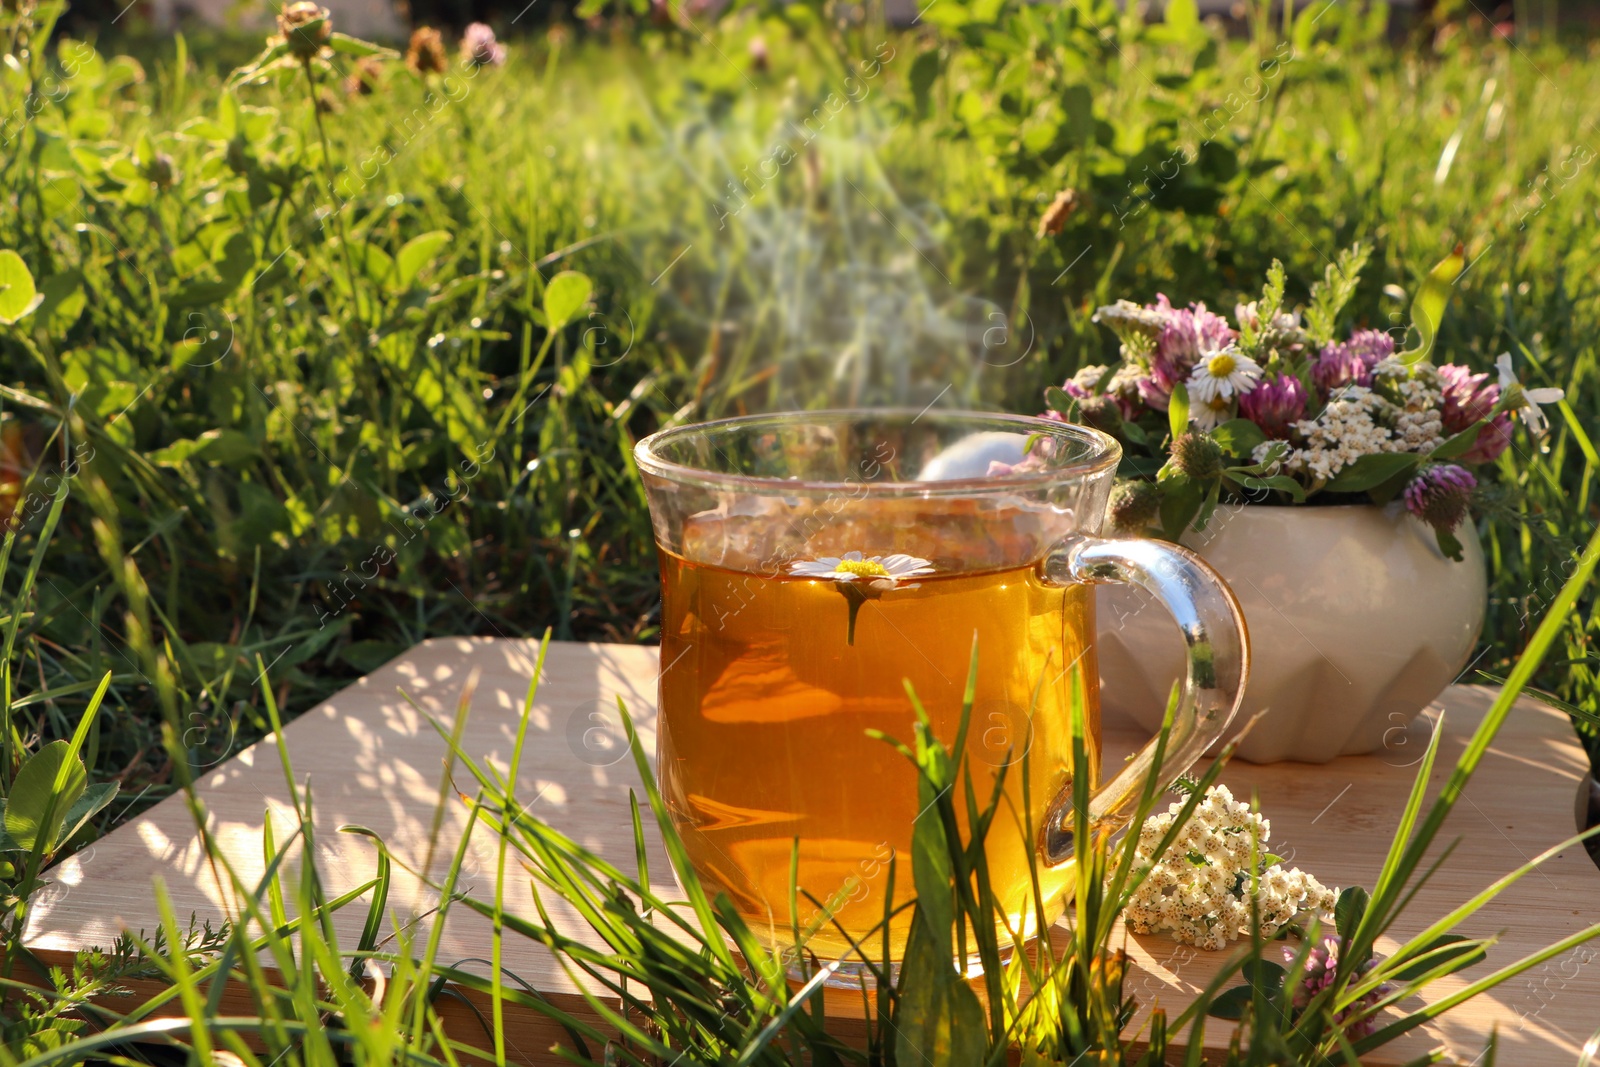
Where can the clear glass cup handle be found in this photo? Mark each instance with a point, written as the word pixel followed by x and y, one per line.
pixel 1217 650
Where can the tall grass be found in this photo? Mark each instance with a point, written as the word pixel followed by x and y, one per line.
pixel 315 375
pixel 687 981
pixel 278 443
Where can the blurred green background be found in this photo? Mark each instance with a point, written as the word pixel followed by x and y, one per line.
pixel 332 361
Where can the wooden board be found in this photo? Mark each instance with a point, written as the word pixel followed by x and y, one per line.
pixel 371 760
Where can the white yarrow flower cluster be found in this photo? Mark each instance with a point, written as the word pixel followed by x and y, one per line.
pixel 1418 392
pixel 1200 888
pixel 1354 424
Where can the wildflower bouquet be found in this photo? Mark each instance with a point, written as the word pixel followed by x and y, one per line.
pixel 1276 407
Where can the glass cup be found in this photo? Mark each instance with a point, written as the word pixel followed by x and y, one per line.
pixel 813 564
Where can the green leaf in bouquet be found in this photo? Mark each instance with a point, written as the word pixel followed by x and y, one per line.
pixel 1060 401
pixel 1390 488
pixel 1348 911
pixel 1209 505
pixel 1267 464
pixel 1265 975
pixel 1280 482
pixel 1178 410
pixel 1427 310
pixel 1448 544
pixel 1238 437
pixel 1231 1004
pixel 1180 505
pixel 1333 292
pixel 1372 470
pixel 1132 466
pixel 1133 433
pixel 1460 443
pixel 1272 292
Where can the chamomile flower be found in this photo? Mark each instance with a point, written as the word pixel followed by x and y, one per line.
pixel 1209 414
pixel 852 565
pixel 1525 402
pixel 1223 374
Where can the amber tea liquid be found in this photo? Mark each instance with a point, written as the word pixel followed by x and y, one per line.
pixel 765 708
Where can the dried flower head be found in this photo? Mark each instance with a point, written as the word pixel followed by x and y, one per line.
pixel 1060 210
pixel 757 49
pixel 159 170
pixel 1135 506
pixel 479 47
pixel 425 54
pixel 1127 319
pixel 363 80
pixel 306 27
pixel 1198 456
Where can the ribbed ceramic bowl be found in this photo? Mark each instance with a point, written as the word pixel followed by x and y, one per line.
pixel 1357 623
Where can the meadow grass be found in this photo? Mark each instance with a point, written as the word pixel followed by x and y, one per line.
pixel 319 374
pixel 306 356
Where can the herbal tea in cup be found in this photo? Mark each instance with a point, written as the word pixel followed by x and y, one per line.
pixel 813 565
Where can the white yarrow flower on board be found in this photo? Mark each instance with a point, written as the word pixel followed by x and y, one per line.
pixel 1525 402
pixel 1199 889
pixel 1224 374
pixel 853 565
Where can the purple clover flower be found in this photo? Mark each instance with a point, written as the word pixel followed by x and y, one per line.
pixel 1189 334
pixel 1351 362
pixel 1275 404
pixel 1322 965
pixel 1469 398
pixel 479 47
pixel 1439 495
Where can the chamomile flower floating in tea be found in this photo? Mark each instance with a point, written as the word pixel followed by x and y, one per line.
pixel 861 578
pixel 852 565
